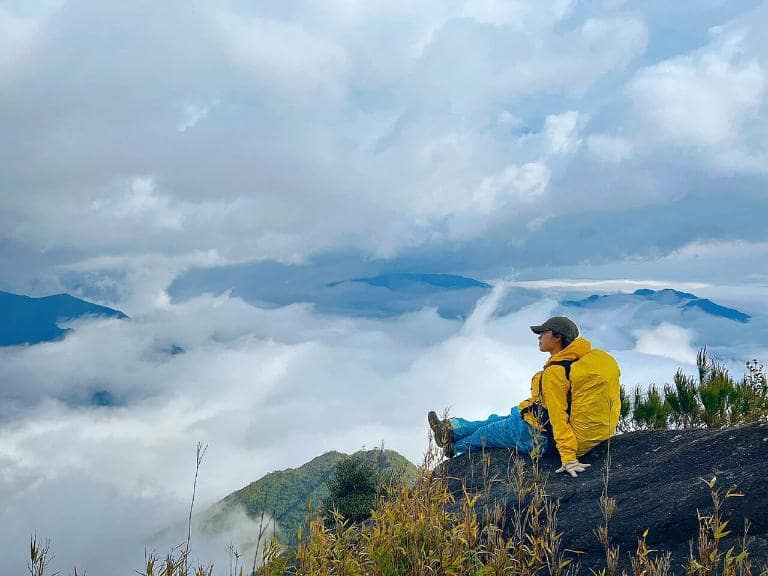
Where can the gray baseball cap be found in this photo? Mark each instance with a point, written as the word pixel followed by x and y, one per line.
pixel 559 324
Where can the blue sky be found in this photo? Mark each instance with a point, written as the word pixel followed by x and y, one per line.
pixel 209 167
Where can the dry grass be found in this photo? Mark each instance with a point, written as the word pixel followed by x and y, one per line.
pixel 427 530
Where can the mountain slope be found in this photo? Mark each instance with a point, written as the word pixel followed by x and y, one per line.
pixel 284 494
pixel 406 281
pixel 27 320
pixel 683 301
pixel 656 478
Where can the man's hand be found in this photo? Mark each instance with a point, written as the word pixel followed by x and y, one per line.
pixel 573 468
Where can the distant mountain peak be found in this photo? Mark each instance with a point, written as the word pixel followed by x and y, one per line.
pixel 684 301
pixel 664 292
pixel 29 320
pixel 717 310
pixel 400 280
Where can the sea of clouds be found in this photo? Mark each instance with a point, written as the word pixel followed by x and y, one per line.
pixel 265 389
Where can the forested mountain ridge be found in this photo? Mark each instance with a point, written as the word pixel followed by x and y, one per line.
pixel 285 494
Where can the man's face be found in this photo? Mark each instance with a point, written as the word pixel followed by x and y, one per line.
pixel 548 342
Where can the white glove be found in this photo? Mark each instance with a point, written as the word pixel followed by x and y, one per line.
pixel 573 468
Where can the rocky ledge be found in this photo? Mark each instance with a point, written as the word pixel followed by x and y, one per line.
pixel 656 477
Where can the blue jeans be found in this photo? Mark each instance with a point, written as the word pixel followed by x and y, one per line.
pixel 495 432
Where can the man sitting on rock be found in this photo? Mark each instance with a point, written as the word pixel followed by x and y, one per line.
pixel 574 404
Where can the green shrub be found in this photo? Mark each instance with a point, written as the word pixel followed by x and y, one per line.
pixel 423 530
pixel 354 489
pixel 650 410
pixel 683 400
pixel 711 399
pixel 716 390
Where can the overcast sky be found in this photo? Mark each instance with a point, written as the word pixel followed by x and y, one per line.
pixel 537 141
pixel 140 139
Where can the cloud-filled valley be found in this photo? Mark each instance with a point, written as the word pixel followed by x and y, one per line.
pixel 269 388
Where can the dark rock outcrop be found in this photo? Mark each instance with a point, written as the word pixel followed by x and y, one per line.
pixel 656 479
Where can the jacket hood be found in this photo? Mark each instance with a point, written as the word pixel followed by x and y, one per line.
pixel 573 351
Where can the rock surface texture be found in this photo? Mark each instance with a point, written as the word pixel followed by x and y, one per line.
pixel 656 479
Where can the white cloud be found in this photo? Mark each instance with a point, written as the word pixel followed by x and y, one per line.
pixel 283 55
pixel 191 114
pixel 738 260
pixel 562 132
pixel 666 340
pixel 131 206
pixel 19 36
pixel 517 13
pixel 507 118
pixel 615 41
pixel 327 108
pixel 495 12
pixel 135 283
pixel 523 184
pixel 611 149
pixel 704 98
pixel 613 285
pixel 725 249
pixel 142 201
pixel 537 223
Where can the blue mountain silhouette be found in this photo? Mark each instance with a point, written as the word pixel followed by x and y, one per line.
pixel 26 320
pixel 716 310
pixel 400 281
pixel 685 301
pixel 397 293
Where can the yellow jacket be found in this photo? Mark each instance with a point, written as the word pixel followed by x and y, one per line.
pixel 594 411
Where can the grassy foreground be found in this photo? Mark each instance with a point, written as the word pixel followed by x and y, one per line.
pixel 423 529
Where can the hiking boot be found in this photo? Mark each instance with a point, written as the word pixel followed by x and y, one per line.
pixel 448 450
pixel 441 429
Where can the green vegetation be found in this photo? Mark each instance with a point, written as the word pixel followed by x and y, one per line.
pixel 283 495
pixel 422 531
pixel 710 399
pixel 352 490
pixel 361 481
pixel 425 531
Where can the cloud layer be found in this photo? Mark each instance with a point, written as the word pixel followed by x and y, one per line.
pixel 265 389
pixel 285 131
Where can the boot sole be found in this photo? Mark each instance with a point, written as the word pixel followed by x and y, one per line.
pixel 438 430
